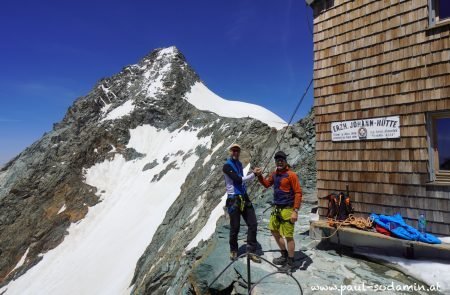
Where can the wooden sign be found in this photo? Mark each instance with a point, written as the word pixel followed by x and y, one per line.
pixel 366 129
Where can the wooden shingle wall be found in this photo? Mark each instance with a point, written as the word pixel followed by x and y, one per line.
pixel 373 59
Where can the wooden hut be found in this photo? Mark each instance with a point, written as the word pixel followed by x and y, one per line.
pixel 384 60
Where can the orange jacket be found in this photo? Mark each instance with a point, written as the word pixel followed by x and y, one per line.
pixel 286 184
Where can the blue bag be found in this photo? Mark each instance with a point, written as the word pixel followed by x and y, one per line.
pixel 398 227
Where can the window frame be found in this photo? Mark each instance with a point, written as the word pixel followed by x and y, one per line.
pixel 433 15
pixel 436 175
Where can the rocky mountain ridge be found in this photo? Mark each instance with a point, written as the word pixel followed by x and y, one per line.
pixel 51 191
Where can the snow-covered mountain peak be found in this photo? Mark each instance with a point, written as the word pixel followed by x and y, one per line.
pixel 165 74
pixel 162 56
pixel 171 51
pixel 144 83
pixel 157 74
pixel 206 100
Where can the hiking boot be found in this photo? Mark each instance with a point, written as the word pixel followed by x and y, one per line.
pixel 233 255
pixel 279 260
pixel 288 266
pixel 282 259
pixel 255 258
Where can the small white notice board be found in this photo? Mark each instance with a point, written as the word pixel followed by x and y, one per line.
pixel 366 129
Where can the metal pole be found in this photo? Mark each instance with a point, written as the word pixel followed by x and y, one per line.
pixel 249 277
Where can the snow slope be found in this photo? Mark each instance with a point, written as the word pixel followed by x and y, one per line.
pixel 210 227
pixel 206 100
pixel 445 240
pixel 99 254
pixel 21 261
pixel 123 110
pixel 430 272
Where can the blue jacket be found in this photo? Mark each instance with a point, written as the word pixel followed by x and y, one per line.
pixel 234 178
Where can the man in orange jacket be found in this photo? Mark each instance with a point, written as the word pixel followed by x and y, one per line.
pixel 287 198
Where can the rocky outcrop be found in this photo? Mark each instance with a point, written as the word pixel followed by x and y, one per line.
pixel 166 265
pixel 43 190
pixel 316 266
pixel 49 174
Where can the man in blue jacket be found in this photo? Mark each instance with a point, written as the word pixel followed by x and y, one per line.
pixel 238 203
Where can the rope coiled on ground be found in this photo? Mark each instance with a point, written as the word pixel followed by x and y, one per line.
pixel 359 222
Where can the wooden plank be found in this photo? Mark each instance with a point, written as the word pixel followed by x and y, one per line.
pixel 396 48
pixel 354 14
pixel 339 45
pixel 398 69
pixel 408 204
pixel 376 177
pixel 388 110
pixel 362 29
pixel 423 73
pixel 440 192
pixel 338 8
pixel 381 146
pixel 426 75
pixel 375 155
pixel 372 166
pixel 383 188
pixel 413 56
pixel 347 102
pixel 363 210
pixel 433 202
pixel 374 22
pixel 432 227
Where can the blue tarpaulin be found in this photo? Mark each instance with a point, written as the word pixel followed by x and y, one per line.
pixel 398 227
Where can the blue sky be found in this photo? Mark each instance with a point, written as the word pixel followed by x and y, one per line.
pixel 257 51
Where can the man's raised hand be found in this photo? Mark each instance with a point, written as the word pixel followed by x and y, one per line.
pixel 257 171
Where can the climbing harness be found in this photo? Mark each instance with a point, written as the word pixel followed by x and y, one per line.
pixel 276 212
pixel 234 202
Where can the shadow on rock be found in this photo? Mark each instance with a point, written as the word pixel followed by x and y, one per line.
pixel 243 249
pixel 301 260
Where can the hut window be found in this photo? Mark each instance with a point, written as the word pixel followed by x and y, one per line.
pixel 321 6
pixel 439 11
pixel 440 146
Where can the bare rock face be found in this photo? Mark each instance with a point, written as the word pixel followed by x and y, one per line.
pixel 48 174
pixel 167 264
pixel 43 190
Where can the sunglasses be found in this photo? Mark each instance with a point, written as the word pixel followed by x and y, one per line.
pixel 235 151
pixel 280 160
